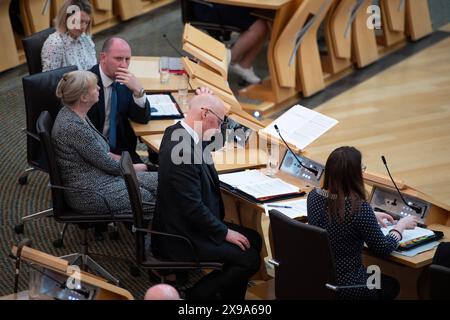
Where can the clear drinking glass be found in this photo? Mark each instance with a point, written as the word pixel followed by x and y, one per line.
pixel 164 70
pixel 272 164
pixel 183 86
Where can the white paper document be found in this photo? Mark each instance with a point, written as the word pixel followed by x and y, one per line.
pixel 300 126
pixel 422 248
pixel 409 235
pixel 257 185
pixel 293 209
pixel 162 105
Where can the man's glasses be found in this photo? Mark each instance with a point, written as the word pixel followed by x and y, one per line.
pixel 222 122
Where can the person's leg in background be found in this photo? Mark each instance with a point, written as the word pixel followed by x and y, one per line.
pixel 246 48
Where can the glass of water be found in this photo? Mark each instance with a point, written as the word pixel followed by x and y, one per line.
pixel 183 88
pixel 163 69
pixel 272 164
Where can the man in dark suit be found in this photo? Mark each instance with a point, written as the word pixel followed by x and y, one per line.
pixel 189 204
pixel 121 98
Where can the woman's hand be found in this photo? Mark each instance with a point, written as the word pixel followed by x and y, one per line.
pixel 381 216
pixel 409 222
pixel 140 167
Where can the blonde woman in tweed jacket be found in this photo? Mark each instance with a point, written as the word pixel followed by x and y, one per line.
pixel 83 155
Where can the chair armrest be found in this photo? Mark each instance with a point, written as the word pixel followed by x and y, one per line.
pixel 31 134
pixel 85 191
pixel 194 253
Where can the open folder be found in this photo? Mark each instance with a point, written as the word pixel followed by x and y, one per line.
pixel 163 106
pixel 255 185
pixel 415 237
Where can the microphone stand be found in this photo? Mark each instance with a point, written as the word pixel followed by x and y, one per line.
pixel 313 171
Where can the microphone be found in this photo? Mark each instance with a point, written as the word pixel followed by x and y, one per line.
pixel 314 171
pixel 172 46
pixel 410 205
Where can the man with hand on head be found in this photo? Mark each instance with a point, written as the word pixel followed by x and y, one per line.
pixel 189 204
pixel 122 97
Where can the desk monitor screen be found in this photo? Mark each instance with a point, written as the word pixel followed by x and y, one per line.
pixel 236 132
pixel 291 166
pixel 48 283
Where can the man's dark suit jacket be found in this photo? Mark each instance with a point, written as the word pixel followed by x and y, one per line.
pixel 189 202
pixel 126 109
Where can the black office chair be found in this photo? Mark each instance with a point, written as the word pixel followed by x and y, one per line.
pixel 144 258
pixel 217 30
pixel 439 282
pixel 304 266
pixel 439 273
pixel 32 46
pixel 40 94
pixel 63 213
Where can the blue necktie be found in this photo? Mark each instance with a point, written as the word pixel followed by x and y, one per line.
pixel 113 116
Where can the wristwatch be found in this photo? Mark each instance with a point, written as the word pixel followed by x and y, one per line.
pixel 141 93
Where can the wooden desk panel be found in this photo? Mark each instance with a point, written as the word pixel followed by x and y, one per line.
pixel 8 56
pixel 243 158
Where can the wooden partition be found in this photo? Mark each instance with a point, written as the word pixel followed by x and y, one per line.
pixel 302 55
pixel 209 51
pixel 393 22
pixel 338 35
pixel 9 57
pixel 364 44
pixel 34 17
pixel 418 20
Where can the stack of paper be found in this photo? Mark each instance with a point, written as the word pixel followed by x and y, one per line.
pixel 258 185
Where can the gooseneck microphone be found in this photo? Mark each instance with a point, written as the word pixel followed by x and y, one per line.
pixel 416 209
pixel 172 46
pixel 314 171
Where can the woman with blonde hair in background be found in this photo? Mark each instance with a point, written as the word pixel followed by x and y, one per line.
pixel 71 44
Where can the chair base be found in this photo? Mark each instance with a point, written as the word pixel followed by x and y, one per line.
pixel 19 228
pixel 87 263
pixel 23 179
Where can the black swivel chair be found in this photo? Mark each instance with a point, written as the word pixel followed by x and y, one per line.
pixel 32 46
pixel 39 93
pixel 439 273
pixel 140 228
pixel 63 213
pixel 304 267
pixel 439 282
pixel 217 30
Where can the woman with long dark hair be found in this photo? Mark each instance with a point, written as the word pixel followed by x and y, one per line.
pixel 341 208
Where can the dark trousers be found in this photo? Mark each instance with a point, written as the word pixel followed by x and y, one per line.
pixel 238 267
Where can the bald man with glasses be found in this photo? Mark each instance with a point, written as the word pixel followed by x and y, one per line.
pixel 189 204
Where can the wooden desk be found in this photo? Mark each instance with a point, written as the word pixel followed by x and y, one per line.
pixel 224 162
pixel 146 70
